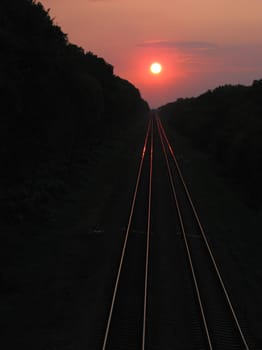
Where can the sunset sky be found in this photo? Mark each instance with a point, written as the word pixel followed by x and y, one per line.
pixel 200 44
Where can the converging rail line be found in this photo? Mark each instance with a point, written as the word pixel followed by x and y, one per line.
pixel 233 336
pixel 132 314
pixel 148 144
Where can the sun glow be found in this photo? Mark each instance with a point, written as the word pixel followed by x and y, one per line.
pixel 156 68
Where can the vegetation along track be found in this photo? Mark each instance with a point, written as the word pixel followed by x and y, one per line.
pixel 134 321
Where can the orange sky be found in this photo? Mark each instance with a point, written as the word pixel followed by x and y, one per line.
pixel 201 44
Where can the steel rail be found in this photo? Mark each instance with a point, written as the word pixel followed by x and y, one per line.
pixel 203 234
pixel 148 236
pixel 185 241
pixel 126 238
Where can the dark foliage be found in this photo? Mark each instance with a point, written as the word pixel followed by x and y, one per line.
pixel 54 100
pixel 227 124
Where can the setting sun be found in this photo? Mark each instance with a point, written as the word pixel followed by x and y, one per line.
pixel 155 68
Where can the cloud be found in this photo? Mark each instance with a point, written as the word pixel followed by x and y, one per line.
pixel 184 45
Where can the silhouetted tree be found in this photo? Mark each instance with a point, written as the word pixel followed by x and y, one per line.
pixel 54 99
pixel 227 124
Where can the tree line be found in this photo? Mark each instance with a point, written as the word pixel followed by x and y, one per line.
pixel 226 123
pixel 55 98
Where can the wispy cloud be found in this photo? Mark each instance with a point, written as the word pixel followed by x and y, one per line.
pixel 184 45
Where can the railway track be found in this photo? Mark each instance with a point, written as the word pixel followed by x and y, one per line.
pixel 220 322
pixel 168 291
